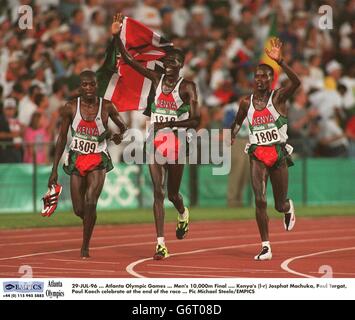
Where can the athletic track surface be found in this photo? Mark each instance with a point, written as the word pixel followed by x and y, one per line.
pixel 321 247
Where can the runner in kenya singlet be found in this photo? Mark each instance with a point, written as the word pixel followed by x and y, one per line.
pixel 169 107
pixel 266 126
pixel 88 136
pixel 267 133
pixel 88 148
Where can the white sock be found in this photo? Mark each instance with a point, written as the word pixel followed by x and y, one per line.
pixel 184 215
pixel 161 241
pixel 266 244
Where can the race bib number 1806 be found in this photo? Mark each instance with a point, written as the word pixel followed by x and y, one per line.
pixel 266 136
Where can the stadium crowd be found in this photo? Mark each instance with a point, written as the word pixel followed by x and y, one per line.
pixel 223 42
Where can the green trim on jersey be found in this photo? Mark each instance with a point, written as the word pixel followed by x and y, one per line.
pixel 181 110
pixel 280 121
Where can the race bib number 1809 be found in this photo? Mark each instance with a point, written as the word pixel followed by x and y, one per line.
pixel 84 146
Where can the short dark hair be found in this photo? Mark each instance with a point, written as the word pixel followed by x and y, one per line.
pixel 33 89
pixel 266 66
pixel 87 74
pixel 178 52
pixel 38 98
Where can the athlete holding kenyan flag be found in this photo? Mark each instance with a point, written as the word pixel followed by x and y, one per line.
pixel 266 112
pixel 175 107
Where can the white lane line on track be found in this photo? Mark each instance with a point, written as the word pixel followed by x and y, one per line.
pixel 132 272
pixel 192 267
pixel 284 265
pixel 244 236
pixel 35 235
pixel 110 247
pixel 57 268
pixel 85 261
pixel 194 275
pixel 205 268
pixel 131 266
pixel 76 239
pixel 193 272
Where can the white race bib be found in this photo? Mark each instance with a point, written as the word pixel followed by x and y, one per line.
pixel 156 117
pixel 266 136
pixel 84 146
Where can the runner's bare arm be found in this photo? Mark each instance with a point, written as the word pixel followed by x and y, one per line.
pixel 287 91
pixel 115 117
pixel 116 30
pixel 189 93
pixel 66 115
pixel 239 118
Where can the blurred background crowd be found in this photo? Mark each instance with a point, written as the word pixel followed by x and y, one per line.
pixel 223 42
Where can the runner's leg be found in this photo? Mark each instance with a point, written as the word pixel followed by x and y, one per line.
pixel 259 175
pixel 157 174
pixel 279 181
pixel 175 172
pixel 95 182
pixel 77 191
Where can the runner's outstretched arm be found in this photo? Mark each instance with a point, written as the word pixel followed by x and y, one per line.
pixel 287 91
pixel 239 118
pixel 66 114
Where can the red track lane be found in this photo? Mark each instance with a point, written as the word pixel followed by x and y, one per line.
pixel 315 248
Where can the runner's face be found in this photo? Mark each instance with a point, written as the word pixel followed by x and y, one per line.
pixel 262 79
pixel 172 64
pixel 88 87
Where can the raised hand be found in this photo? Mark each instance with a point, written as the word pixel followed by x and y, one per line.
pixel 275 52
pixel 117 23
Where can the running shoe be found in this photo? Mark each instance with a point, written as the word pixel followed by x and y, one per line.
pixel 161 252
pixel 265 254
pixel 50 200
pixel 182 227
pixel 290 217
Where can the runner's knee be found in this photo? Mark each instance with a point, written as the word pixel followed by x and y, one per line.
pixel 159 194
pixel 260 202
pixel 90 209
pixel 79 211
pixel 174 197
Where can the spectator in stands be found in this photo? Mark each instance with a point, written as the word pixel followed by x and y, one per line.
pixel 37 138
pixel 10 133
pixel 27 106
pixel 331 140
pixel 299 120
